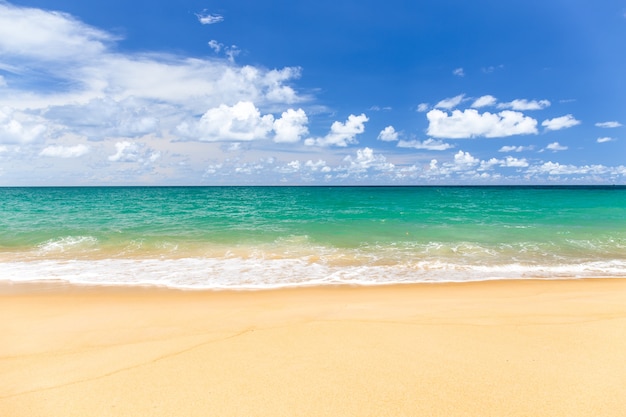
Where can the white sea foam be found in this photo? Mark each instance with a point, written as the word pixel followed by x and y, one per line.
pixel 67 243
pixel 256 273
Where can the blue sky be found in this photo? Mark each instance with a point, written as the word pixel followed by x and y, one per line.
pixel 327 92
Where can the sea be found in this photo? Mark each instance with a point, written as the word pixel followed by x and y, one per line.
pixel 249 238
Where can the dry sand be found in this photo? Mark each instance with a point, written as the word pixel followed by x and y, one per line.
pixel 508 348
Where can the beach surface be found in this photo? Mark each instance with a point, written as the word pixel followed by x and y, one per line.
pixel 496 348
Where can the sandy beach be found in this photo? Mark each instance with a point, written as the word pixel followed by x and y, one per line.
pixel 501 348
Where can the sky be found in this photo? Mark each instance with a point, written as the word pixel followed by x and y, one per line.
pixel 341 92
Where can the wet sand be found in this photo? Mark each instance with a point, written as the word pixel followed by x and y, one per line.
pixel 498 348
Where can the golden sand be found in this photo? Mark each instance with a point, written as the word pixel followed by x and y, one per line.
pixel 506 348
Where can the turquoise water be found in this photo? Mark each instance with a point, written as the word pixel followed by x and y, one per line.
pixel 259 237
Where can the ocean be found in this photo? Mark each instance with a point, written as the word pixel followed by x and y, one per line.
pixel 272 237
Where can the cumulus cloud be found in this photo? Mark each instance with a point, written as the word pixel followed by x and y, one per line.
pixel 241 122
pixel 609 125
pixel 450 103
pixel 366 159
pixel 523 105
pixel 388 134
pixel 127 151
pixel 320 165
pixel 555 168
pixel 18 127
pixel 291 126
pixel 555 147
pixel 428 144
pixel 65 151
pixel 423 107
pixel 559 123
pixel 459 72
pixel 209 19
pixel 484 101
pixel 465 165
pixel 509 161
pixel 464 160
pixel 290 168
pixel 342 134
pixel 367 166
pixel 470 123
pixel 244 122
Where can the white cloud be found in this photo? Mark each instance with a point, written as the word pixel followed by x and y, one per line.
pixel 230 51
pixel 470 123
pixel 233 147
pixel 291 168
pixel 366 159
pixel 484 101
pixel 459 72
pixel 523 104
pixel 378 108
pixel 209 19
pixel 488 165
pixel 388 134
pixel 612 124
pixel 102 118
pixel 450 103
pixel 515 162
pixel 18 127
pixel 467 161
pixel 464 160
pixel 65 151
pixel 605 140
pixel 50 36
pixel 342 134
pixel 556 146
pixel 66 82
pixel 274 84
pixel 320 165
pixel 516 148
pixel 559 123
pixel 555 168
pixel 127 151
pixel 241 122
pixel 428 144
pixel 85 66
pixel 465 165
pixel 216 46
pixel 291 126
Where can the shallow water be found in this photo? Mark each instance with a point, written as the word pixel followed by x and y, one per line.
pixel 261 237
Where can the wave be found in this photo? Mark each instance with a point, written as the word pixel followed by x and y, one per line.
pixel 262 273
pixel 68 243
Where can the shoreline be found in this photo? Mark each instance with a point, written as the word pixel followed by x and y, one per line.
pixel 9 287
pixel 483 348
